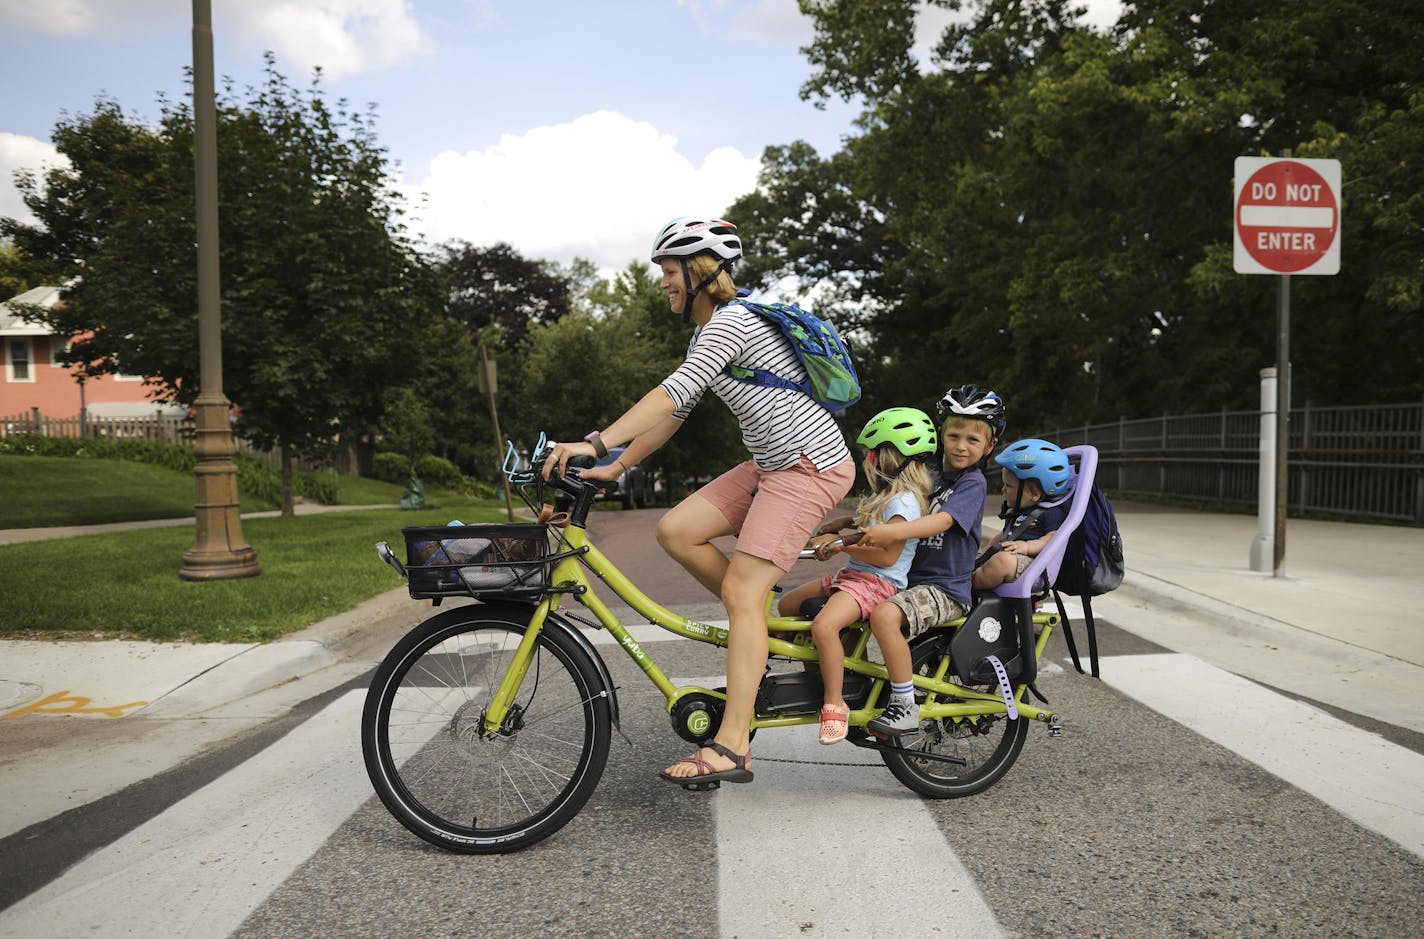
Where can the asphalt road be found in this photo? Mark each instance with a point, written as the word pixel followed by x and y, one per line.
pixel 1231 810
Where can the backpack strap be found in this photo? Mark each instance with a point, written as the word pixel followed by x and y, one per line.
pixel 1090 628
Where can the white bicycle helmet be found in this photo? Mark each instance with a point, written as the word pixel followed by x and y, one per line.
pixel 683 237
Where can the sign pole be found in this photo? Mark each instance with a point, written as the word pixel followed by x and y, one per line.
pixel 1287 221
pixel 1283 383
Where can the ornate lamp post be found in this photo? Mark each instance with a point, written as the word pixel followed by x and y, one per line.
pixel 220 552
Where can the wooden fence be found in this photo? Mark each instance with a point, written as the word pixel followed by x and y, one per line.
pixel 156 426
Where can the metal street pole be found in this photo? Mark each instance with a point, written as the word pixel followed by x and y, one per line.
pixel 487 385
pixel 219 552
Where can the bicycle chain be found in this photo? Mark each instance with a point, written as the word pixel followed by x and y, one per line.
pixel 773 759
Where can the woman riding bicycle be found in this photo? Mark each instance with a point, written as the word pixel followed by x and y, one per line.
pixel 773 503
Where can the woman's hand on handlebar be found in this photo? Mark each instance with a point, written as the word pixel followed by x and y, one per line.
pixel 602 474
pixel 561 453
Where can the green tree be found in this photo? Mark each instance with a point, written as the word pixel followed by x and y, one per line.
pixel 325 301
pixel 1046 208
pixel 12 278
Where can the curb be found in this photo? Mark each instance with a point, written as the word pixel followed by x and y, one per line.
pixel 296 656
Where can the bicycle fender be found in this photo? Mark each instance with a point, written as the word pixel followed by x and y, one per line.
pixel 555 621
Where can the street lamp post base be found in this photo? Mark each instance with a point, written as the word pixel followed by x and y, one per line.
pixel 219 551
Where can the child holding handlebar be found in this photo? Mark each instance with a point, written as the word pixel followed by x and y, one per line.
pixel 948 536
pixel 897 443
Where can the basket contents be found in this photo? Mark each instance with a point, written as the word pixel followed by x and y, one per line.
pixel 476 559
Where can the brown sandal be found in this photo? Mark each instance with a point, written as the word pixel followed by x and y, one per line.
pixel 708 778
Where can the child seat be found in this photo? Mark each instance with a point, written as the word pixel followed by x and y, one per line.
pixel 1018 596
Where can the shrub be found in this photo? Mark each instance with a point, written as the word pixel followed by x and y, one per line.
pixel 254 477
pixel 391 468
pixel 438 471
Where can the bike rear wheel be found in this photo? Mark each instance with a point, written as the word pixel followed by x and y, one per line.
pixel 987 745
pixel 437 771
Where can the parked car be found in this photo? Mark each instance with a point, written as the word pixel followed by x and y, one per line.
pixel 632 491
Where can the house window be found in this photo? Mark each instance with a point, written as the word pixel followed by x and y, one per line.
pixel 19 361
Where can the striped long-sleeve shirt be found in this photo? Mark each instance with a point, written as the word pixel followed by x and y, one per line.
pixel 778 424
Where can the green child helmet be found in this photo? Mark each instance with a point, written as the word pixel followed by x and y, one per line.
pixel 909 430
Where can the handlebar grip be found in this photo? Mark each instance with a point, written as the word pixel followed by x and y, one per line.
pixel 852 538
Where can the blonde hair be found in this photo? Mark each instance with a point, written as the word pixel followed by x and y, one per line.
pixel 914 478
pixel 701 266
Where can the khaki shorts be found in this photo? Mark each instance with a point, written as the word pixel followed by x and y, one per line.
pixel 774 512
pixel 925 606
pixel 1021 563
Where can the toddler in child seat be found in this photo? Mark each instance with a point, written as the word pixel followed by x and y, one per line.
pixel 898 443
pixel 1034 471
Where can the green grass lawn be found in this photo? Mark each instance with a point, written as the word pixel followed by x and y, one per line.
pixel 44 491
pixel 126 584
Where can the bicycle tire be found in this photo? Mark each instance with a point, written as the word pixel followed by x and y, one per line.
pixel 989 745
pixel 431 766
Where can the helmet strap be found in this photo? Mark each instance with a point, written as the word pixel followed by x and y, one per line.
pixel 691 292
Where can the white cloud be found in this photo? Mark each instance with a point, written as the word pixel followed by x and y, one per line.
pixel 82 17
pixel 57 17
pixel 344 37
pixel 596 187
pixel 777 22
pixel 17 152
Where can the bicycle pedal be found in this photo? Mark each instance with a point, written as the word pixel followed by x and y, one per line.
pixel 703 786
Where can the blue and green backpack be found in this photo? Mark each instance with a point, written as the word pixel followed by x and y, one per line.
pixel 830 369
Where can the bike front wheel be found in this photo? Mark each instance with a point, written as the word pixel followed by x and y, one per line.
pixel 438 770
pixel 982 748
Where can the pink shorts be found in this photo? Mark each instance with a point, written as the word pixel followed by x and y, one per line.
pixel 868 589
pixel 775 512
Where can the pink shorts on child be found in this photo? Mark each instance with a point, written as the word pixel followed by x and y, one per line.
pixel 868 589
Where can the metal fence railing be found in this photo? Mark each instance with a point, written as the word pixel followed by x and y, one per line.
pixel 1359 461
pixel 1354 461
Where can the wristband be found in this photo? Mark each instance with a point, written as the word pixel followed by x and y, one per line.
pixel 599 449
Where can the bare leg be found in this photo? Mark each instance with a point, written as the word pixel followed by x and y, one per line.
pixel 790 603
pixel 839 612
pixel 744 590
pixel 686 534
pixel 999 569
pixel 886 622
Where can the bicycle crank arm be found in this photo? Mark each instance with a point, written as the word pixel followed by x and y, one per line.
pixel 871 743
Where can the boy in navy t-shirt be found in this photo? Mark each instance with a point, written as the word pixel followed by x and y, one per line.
pixel 948 534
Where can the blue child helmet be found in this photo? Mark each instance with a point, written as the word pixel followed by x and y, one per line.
pixel 1041 461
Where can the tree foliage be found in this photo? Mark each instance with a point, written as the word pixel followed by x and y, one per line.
pixel 1046 208
pixel 324 300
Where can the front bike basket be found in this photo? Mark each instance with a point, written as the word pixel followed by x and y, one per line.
pixel 479 561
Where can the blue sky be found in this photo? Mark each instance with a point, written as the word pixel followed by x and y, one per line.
pixel 564 127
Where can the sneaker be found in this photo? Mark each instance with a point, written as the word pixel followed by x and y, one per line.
pixel 899 717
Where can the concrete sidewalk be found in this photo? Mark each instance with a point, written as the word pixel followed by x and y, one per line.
pixel 1344 625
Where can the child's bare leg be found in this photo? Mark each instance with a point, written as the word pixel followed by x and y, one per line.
pixel 790 603
pixel 887 623
pixel 839 612
pixel 999 569
pixel 901 715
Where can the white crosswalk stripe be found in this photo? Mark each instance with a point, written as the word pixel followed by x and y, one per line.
pixel 204 865
pixel 1359 774
pixel 201 867
pixel 797 802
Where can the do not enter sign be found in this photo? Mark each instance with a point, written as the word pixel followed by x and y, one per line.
pixel 1287 216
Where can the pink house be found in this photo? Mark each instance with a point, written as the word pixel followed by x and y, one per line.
pixel 33 380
